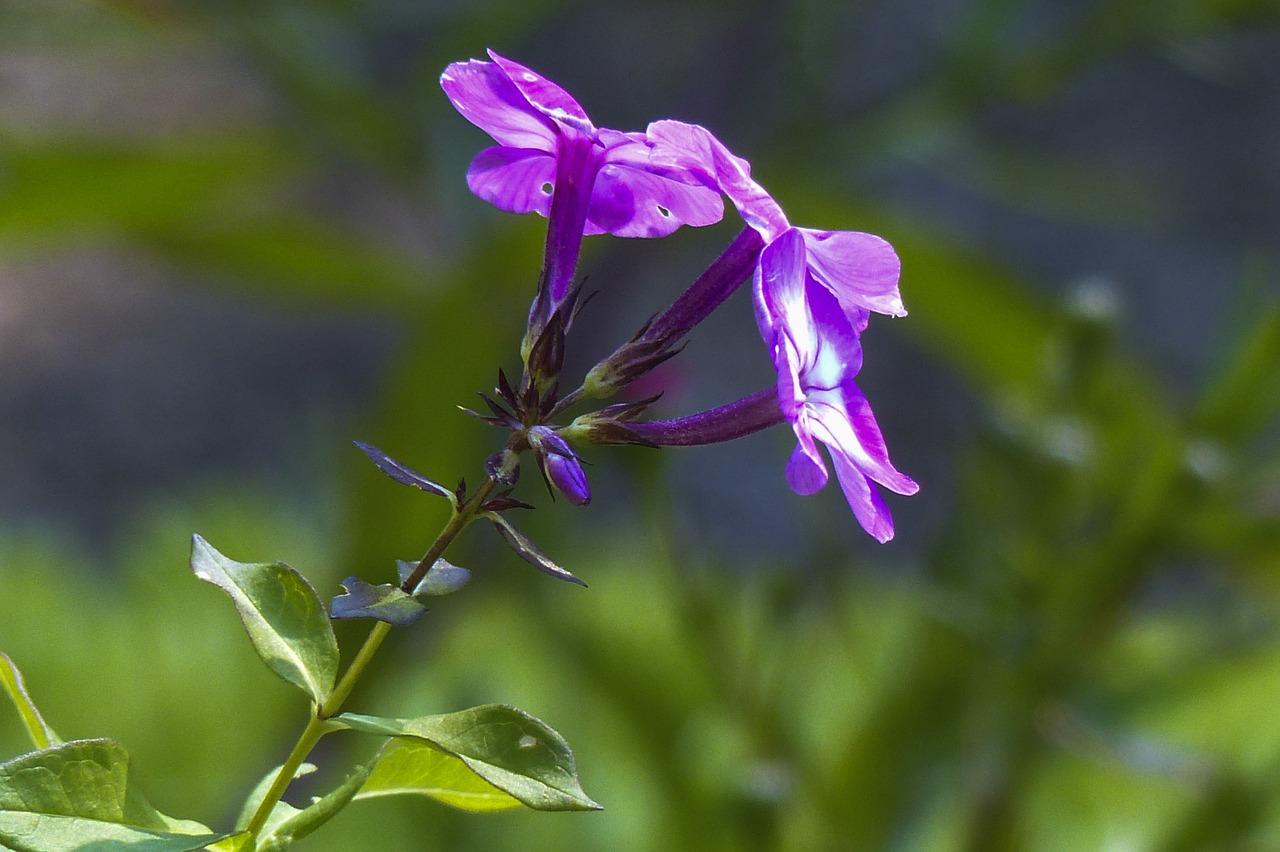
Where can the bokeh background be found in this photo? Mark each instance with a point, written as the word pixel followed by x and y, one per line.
pixel 236 235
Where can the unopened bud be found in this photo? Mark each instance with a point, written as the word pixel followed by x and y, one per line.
pixel 560 465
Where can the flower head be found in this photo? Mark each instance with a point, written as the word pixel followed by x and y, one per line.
pixel 813 293
pixel 815 348
pixel 549 151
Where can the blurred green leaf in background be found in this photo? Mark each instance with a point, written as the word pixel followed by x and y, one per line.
pixel 236 236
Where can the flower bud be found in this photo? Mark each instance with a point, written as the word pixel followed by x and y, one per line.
pixel 661 338
pixel 560 466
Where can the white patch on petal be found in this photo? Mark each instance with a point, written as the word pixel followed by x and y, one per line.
pixel 827 370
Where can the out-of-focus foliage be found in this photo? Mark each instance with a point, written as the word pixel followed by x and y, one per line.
pixel 1078 651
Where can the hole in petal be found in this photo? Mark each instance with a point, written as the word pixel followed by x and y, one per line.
pixel 666 214
pixel 546 188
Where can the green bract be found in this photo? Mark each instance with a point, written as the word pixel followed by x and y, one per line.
pixel 282 614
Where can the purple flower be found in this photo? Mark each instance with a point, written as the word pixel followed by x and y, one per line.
pixel 861 270
pixel 560 465
pixel 813 292
pixel 550 159
pixel 815 347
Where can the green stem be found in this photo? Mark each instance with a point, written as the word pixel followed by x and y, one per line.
pixel 318 725
pixel 310 736
pixel 460 519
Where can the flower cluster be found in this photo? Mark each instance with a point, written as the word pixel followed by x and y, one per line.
pixel 813 290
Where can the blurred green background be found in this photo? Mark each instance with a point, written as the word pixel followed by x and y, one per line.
pixel 236 235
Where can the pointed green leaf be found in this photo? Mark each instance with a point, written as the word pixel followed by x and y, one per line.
pixel 281 834
pixel 282 614
pixel 81 795
pixel 507 747
pixel 409 766
pixel 528 551
pixel 41 734
pixel 384 602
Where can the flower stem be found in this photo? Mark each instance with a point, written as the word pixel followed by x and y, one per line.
pixel 318 725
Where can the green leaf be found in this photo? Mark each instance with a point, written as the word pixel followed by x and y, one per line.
pixel 41 734
pixel 528 551
pixel 282 614
pixel 384 602
pixel 234 843
pixel 408 766
pixel 280 834
pixel 81 795
pixel 507 747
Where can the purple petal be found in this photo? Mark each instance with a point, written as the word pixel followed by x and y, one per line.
pixel 697 150
pixel 518 180
pixel 791 395
pixel 485 96
pixel 780 293
pixel 806 474
pixel 627 202
pixel 561 465
pixel 867 504
pixel 544 95
pixel 567 476
pixel 836 354
pixel 683 147
pixel 860 269
pixel 874 455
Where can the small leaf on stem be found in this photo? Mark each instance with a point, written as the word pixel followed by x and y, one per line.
pixel 442 578
pixel 528 551
pixel 402 473
pixel 384 602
